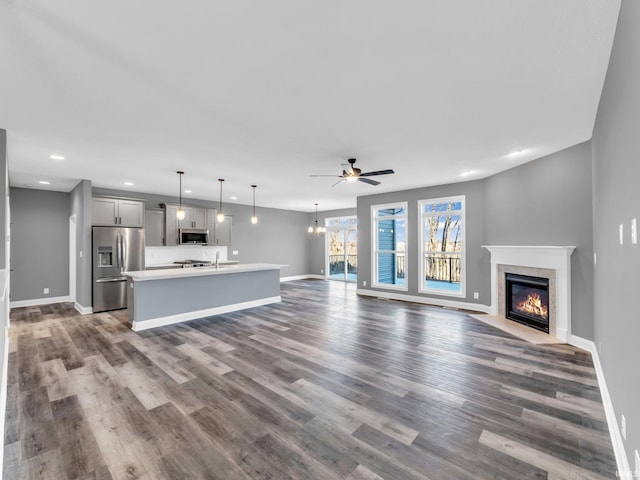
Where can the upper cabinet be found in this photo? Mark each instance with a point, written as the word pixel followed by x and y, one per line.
pixel 219 232
pixel 194 217
pixel 154 227
pixel 118 212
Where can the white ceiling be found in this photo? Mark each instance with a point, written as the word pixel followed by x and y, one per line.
pixel 271 92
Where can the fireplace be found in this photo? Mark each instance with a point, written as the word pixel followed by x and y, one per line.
pixel 527 300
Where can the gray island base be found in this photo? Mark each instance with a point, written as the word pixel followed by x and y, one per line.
pixel 163 297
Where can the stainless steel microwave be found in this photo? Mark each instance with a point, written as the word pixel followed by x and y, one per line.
pixel 194 236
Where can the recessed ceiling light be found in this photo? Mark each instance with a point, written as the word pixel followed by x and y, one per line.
pixel 56 157
pixel 233 198
pixel 44 182
pixel 188 191
pixel 466 173
pixel 518 153
pixel 129 184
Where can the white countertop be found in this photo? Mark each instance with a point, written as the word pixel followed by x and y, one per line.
pixel 163 274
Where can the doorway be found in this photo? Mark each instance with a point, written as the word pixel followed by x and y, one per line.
pixel 72 258
pixel 342 248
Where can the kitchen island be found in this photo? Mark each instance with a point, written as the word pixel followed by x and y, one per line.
pixel 162 297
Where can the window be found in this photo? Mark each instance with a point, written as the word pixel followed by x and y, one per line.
pixel 442 246
pixel 389 245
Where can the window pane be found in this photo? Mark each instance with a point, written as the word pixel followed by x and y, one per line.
pixel 443 207
pixel 392 234
pixel 391 268
pixel 385 212
pixel 345 221
pixel 443 233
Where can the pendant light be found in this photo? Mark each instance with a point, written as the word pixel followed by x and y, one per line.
pixel 180 212
pixel 254 218
pixel 220 216
pixel 316 229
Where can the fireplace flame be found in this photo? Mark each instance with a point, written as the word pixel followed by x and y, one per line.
pixel 534 305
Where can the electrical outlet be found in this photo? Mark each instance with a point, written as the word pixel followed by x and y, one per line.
pixel 476 295
pixel 46 291
pixel 637 466
pixel 80 253
pixel 364 283
pixel 595 258
pixel 235 252
pixel 623 427
pixel 634 231
pixel 322 270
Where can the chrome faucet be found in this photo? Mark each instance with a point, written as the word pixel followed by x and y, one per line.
pixel 217 259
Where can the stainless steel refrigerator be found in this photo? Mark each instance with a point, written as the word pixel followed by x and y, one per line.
pixel 116 250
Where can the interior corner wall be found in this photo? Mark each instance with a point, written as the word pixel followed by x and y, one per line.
pixel 548 202
pixel 80 205
pixel 40 253
pixel 543 202
pixel 616 170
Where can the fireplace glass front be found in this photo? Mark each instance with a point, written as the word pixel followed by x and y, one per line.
pixel 527 300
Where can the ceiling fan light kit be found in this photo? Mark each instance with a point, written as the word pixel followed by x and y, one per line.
pixel 354 174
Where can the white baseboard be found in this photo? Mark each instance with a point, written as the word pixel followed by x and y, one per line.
pixel 478 307
pixel 83 310
pixel 3 393
pixel 301 277
pixel 138 326
pixel 624 471
pixel 39 301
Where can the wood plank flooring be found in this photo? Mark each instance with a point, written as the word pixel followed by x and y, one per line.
pixel 325 385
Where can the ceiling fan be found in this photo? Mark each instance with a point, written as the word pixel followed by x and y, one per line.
pixel 352 173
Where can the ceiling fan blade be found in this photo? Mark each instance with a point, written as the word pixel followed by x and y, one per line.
pixel 338 182
pixel 368 180
pixel 334 176
pixel 377 172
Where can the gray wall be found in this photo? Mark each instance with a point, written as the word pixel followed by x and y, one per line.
pixel 279 236
pixel 544 202
pixel 4 201
pixel 80 205
pixel 548 202
pixel 40 246
pixel 616 170
pixel 477 258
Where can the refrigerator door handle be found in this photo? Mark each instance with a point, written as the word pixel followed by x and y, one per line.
pixel 118 253
pixel 109 280
pixel 124 254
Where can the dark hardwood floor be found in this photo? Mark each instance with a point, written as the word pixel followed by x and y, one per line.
pixel 325 385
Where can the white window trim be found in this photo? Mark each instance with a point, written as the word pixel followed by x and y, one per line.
pixel 463 256
pixel 374 243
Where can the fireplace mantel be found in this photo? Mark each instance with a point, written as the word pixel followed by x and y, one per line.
pixel 556 258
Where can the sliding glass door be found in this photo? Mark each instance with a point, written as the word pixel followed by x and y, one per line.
pixel 342 249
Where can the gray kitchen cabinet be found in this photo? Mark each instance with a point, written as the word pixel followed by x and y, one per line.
pixel 154 227
pixel 219 232
pixel 172 224
pixel 223 231
pixel 194 217
pixel 117 211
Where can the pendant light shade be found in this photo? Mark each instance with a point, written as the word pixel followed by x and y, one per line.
pixel 316 229
pixel 220 216
pixel 180 212
pixel 254 218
